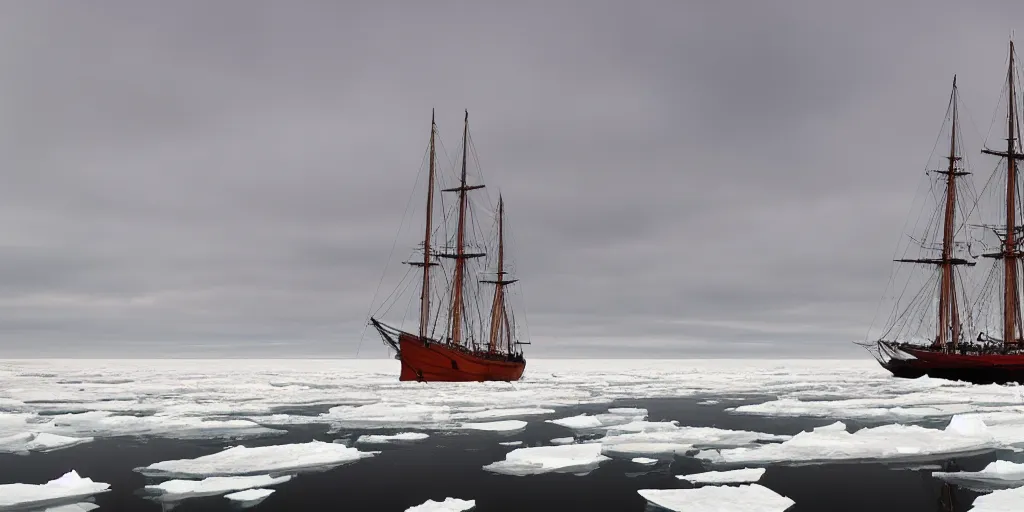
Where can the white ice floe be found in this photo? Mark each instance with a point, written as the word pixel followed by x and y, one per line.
pixel 614 417
pixel 448 505
pixel 84 506
pixel 667 437
pixel 496 426
pixel 1005 500
pixel 249 497
pixel 708 402
pixel 38 442
pixel 832 443
pixel 572 458
pixel 68 487
pixel 241 461
pixel 998 474
pixel 400 437
pixel 645 461
pixel 511 443
pixel 563 440
pixel 735 476
pixel 174 490
pixel 748 498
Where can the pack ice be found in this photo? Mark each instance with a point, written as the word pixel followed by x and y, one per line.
pixel 68 488
pixel 997 475
pixel 833 442
pixel 569 458
pixel 748 498
pixel 176 490
pixel 241 461
pixel 448 505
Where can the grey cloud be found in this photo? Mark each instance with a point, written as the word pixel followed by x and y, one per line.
pixel 682 178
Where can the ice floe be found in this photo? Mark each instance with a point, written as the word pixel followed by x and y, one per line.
pixel 511 443
pixel 997 475
pixel 572 458
pixel 448 505
pixel 645 461
pixel 175 490
pixel 496 426
pixel 614 416
pixel 748 498
pixel 84 506
pixel 249 497
pixel 38 442
pixel 68 487
pixel 242 461
pixel 735 476
pixel 667 437
pixel 1005 500
pixel 833 443
pixel 563 440
pixel 399 437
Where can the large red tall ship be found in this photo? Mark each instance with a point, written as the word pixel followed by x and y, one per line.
pixel 951 351
pixel 459 337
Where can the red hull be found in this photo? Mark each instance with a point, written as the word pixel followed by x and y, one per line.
pixel 976 368
pixel 435 362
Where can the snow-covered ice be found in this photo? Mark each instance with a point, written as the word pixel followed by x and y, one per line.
pixel 399 437
pixel 511 443
pixel 998 474
pixel 570 458
pixel 38 442
pixel 448 505
pixel 68 487
pixel 563 440
pixel 1005 500
pixel 748 498
pixel 666 437
pixel 735 476
pixel 645 461
pixel 496 426
pixel 242 461
pixel 249 497
pixel 175 490
pixel 833 443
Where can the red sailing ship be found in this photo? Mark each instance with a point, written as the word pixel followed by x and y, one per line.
pixel 948 352
pixel 456 346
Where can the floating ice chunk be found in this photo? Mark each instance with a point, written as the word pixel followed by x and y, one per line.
pixel 497 426
pixel 102 423
pixel 400 437
pixel 735 476
pixel 1005 500
pixel 501 413
pixel 68 487
pixel 511 443
pixel 647 437
pixel 174 490
pixel 886 442
pixel 1000 474
pixel 563 440
pixel 582 421
pixel 708 402
pixel 448 505
pixel 73 507
pixel 249 497
pixel 628 411
pixel 645 461
pixel 240 461
pixel 573 458
pixel 38 442
pixel 748 498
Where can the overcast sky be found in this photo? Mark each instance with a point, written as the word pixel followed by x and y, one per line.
pixel 684 178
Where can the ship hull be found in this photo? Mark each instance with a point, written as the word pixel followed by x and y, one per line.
pixel 974 368
pixel 430 361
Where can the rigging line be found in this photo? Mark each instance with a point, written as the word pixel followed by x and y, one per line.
pixel 893 269
pixel 362 334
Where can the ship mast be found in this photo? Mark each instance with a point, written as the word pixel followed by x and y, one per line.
pixel 425 292
pixel 1009 254
pixel 460 251
pixel 499 316
pixel 948 327
pixel 949 316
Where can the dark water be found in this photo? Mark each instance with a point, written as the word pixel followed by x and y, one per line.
pixel 449 465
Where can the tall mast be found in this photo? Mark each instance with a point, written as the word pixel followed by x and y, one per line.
pixel 498 308
pixel 460 255
pixel 425 292
pixel 949 321
pixel 1009 253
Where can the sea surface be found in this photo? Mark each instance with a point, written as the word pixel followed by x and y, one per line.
pixel 449 462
